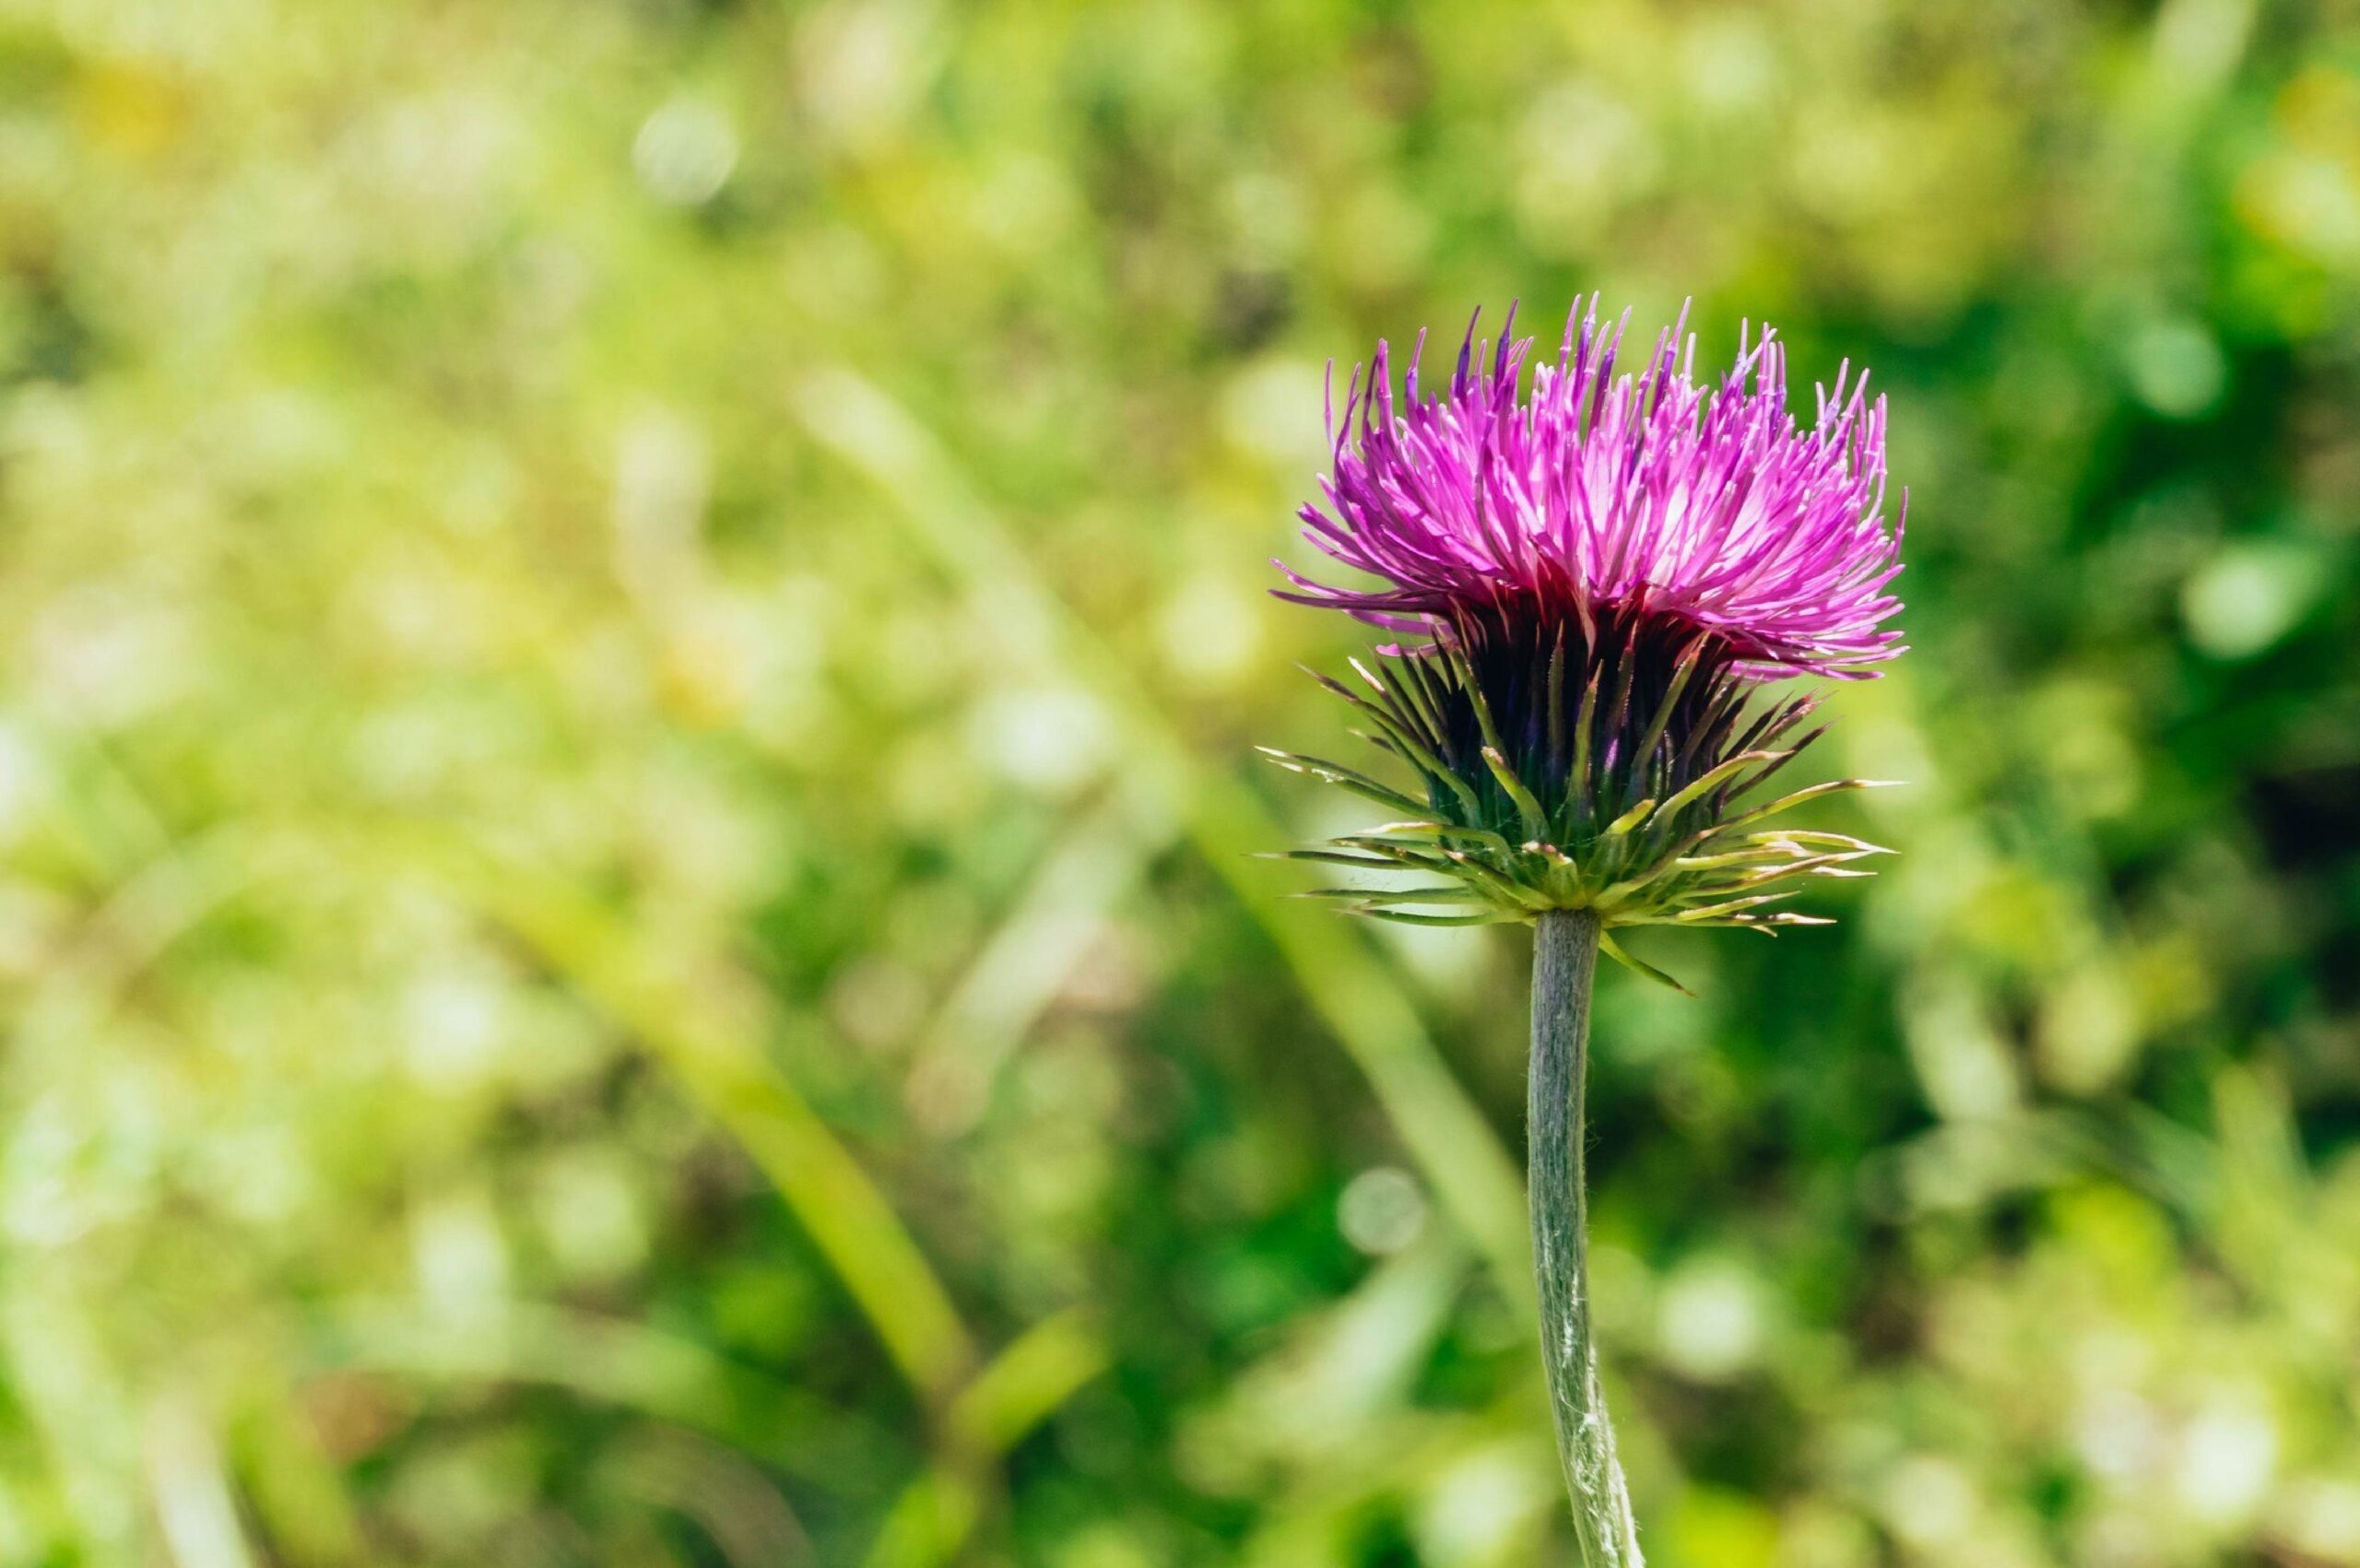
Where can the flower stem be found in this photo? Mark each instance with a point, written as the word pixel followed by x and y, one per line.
pixel 1565 965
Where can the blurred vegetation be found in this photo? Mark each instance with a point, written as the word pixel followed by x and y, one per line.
pixel 628 634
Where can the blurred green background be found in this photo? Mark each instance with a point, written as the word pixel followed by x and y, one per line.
pixel 629 632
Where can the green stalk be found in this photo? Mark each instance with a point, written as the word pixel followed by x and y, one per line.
pixel 1565 965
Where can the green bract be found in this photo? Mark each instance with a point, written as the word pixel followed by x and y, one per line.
pixel 1631 786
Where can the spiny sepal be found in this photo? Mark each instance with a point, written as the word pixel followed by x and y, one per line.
pixel 1610 764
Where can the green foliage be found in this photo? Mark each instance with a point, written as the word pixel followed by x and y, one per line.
pixel 630 632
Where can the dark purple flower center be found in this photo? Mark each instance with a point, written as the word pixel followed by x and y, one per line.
pixel 1603 705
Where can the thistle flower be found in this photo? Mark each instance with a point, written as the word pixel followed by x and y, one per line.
pixel 1596 579
pixel 1594 587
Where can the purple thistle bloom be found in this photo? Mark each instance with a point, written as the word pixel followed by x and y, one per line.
pixel 1641 497
pixel 1600 576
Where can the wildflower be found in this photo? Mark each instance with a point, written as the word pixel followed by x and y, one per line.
pixel 1595 587
pixel 1593 584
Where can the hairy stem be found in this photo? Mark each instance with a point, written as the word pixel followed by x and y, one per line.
pixel 1565 965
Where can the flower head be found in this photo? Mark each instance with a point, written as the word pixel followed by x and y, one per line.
pixel 1602 573
pixel 1652 495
